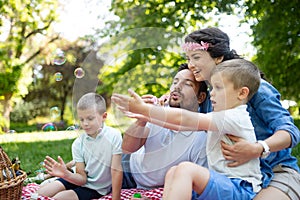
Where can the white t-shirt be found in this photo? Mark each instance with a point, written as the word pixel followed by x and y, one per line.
pixel 163 149
pixel 236 122
pixel 97 153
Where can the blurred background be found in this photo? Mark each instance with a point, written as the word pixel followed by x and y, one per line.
pixel 54 51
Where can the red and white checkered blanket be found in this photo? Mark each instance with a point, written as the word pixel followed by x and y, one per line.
pixel 126 194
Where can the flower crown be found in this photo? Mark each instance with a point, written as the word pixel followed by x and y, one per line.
pixel 193 46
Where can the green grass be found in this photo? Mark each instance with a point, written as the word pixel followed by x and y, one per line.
pixel 32 152
pixel 31 148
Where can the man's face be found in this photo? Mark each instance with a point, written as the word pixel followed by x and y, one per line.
pixel 183 91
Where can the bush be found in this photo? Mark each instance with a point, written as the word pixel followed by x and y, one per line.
pixel 23 112
pixel 21 127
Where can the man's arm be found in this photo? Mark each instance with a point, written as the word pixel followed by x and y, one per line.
pixel 135 137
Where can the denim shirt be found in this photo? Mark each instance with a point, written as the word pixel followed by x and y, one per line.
pixel 268 116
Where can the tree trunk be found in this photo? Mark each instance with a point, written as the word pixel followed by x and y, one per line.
pixel 7 108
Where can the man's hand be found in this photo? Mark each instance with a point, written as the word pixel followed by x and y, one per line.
pixel 240 152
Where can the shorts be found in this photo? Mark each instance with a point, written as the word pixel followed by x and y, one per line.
pixel 287 180
pixel 128 180
pixel 83 193
pixel 220 187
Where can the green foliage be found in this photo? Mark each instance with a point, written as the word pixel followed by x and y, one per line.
pixel 276 37
pixel 144 44
pixel 23 112
pixel 27 24
pixel 31 154
pixel 21 127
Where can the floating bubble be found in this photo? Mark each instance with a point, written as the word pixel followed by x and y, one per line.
pixel 11 131
pixel 49 127
pixel 59 57
pixel 79 72
pixel 54 112
pixel 58 76
pixel 72 128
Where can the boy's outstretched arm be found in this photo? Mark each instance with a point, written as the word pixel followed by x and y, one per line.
pixel 163 116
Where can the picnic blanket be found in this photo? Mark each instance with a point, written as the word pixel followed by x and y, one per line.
pixel 126 194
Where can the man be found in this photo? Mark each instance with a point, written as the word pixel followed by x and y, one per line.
pixel 155 149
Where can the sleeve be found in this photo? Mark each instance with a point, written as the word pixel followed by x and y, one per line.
pixel 227 122
pixel 117 142
pixel 269 113
pixel 77 153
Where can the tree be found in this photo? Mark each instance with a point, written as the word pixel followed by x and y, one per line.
pixel 276 33
pixel 143 49
pixel 55 80
pixel 28 23
pixel 275 26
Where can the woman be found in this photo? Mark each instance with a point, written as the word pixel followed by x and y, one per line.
pixel 274 127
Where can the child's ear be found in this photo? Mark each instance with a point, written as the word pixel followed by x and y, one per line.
pixel 104 115
pixel 243 93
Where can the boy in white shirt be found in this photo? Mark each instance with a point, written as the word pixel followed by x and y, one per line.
pixel 97 155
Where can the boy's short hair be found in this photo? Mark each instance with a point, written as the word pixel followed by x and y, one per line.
pixel 92 101
pixel 242 73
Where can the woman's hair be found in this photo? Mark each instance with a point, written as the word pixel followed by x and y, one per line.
pixel 92 101
pixel 218 42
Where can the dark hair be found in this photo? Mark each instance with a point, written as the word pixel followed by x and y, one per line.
pixel 202 86
pixel 218 42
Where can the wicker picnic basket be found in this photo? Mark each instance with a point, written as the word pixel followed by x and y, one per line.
pixel 10 183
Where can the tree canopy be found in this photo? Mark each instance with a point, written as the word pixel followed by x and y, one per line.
pixel 275 32
pixel 27 23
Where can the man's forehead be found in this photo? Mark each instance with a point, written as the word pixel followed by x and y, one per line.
pixel 185 74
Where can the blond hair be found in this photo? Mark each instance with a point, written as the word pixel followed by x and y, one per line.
pixel 92 101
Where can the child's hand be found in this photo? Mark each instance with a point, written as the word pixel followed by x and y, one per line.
pixel 55 168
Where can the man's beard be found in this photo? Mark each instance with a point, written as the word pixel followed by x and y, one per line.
pixel 174 104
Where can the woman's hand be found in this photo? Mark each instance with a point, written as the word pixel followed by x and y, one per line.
pixel 241 151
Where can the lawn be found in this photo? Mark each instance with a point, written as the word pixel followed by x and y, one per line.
pixel 31 148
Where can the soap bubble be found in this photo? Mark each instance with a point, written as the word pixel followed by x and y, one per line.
pixel 49 127
pixel 59 57
pixel 58 76
pixel 79 72
pixel 54 112
pixel 72 128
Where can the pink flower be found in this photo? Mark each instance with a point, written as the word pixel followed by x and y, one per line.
pixel 193 46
